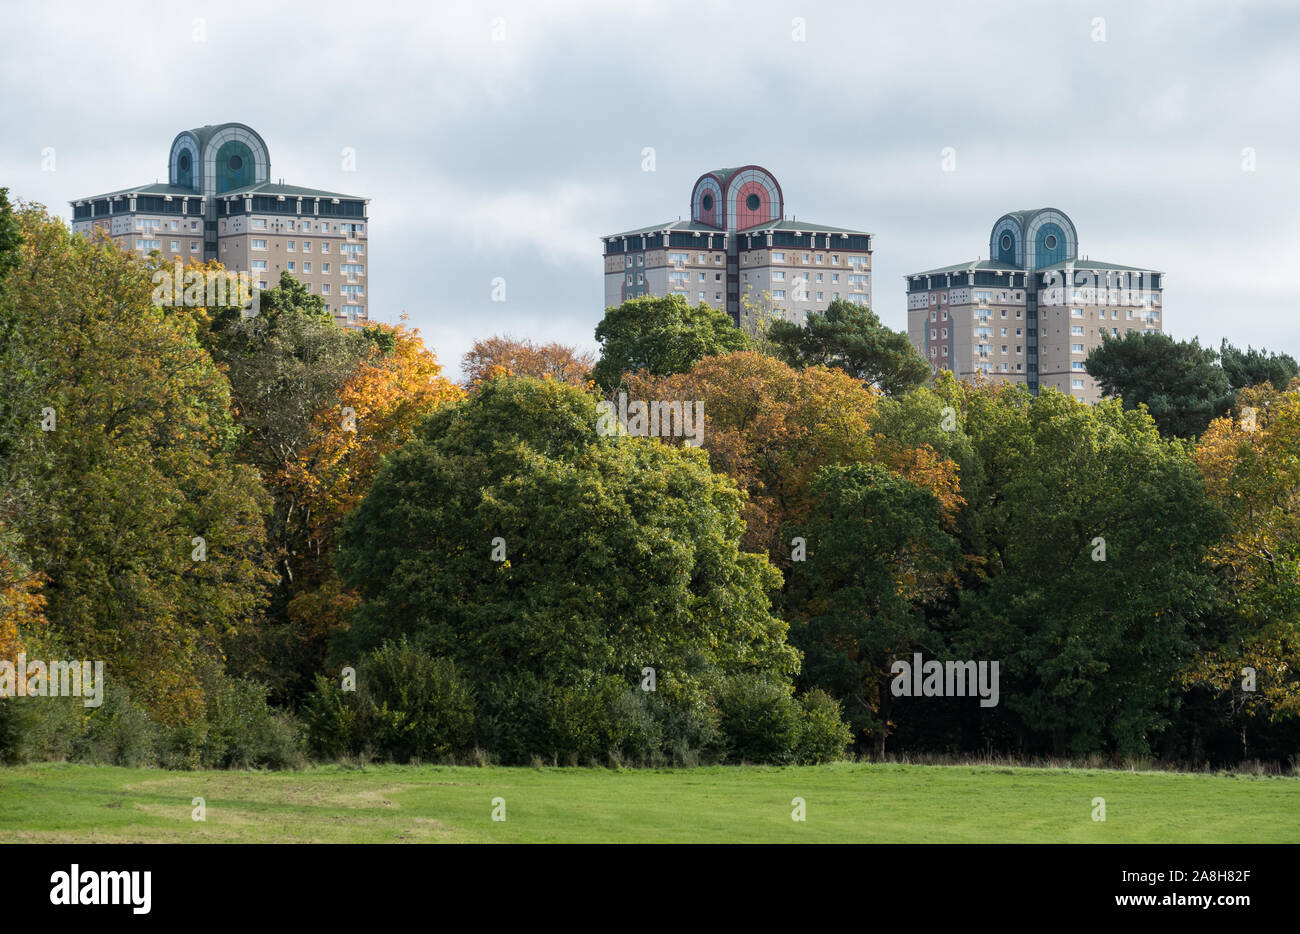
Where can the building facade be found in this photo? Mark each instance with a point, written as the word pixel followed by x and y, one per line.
pixel 738 252
pixel 219 203
pixel 1032 312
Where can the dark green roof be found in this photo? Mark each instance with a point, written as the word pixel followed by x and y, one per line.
pixel 974 265
pixel 289 191
pixel 1095 264
pixel 804 227
pixel 154 189
pixel 666 227
pixel 690 226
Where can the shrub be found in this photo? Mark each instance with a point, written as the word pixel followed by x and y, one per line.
pixel 407 705
pixel 760 720
pixel 823 734
pixel 118 733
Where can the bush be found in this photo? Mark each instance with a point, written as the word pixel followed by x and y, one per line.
pixel 244 731
pixel 118 733
pixel 823 734
pixel 760 720
pixel 407 704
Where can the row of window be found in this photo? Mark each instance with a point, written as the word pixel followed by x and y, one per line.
pixel 259 223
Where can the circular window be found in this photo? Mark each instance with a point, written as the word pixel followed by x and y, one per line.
pixel 1006 241
pixel 1050 241
pixel 707 202
pixel 236 163
pixel 185 162
pixel 752 202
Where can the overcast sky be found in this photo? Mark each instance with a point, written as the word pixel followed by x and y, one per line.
pixel 511 156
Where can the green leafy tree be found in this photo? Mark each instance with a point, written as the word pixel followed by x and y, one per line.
pixel 661 336
pixel 850 337
pixel 1095 585
pixel 878 550
pixel 119 471
pixel 1180 382
pixel 612 555
pixel 1251 367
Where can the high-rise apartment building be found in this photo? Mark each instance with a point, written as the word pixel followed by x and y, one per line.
pixel 738 244
pixel 219 203
pixel 1032 312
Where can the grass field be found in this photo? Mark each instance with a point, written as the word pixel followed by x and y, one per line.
pixel 844 803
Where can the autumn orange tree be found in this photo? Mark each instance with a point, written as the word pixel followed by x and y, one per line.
pixel 511 356
pixel 771 428
pixel 1251 464
pixel 397 384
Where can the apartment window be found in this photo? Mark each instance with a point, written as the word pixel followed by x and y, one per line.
pixel 1076 312
pixel 932 351
pixel 835 259
pixel 676 258
pixel 628 258
pixel 701 294
pixel 1018 348
pixel 778 257
pixel 1004 348
pixel 821 296
pixel 306 267
pixel 629 278
pixel 805 257
pixel 717 277
pixel 259 223
pixel 291 225
pixel 147 244
pixel 176 246
pixel 834 296
pixel 1018 334
pixel 640 257
pixel 779 293
pixel 1114 332
pixel 324 267
pixel 1017 314
pixel 259 264
pixel 640 278
pixel 819 277
pixel 289 245
pixel 259 244
pixel 325 248
pixel 778 275
pixel 934 315
pixel 945 350
pixel 194 246
pixel 1004 333
pixel 818 259
pixel 1076 364
pixel 291 266
pixel 835 277
pixel 932 334
pixel 945 332
pixel 1076 383
pixel 1130 314
pixel 945 314
pixel 1004 311
pixel 1114 312
pixel 325 288
pixel 1076 348
pixel 701 258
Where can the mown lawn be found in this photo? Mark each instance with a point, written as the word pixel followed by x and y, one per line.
pixel 844 803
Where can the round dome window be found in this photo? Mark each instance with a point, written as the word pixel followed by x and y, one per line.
pixel 707 202
pixel 185 162
pixel 1050 241
pixel 752 202
pixel 1006 241
pixel 236 163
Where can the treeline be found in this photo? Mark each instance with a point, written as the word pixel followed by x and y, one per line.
pixel 286 540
